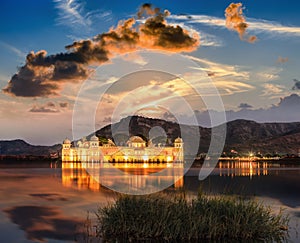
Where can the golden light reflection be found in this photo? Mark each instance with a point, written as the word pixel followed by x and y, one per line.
pixel 76 175
pixel 243 168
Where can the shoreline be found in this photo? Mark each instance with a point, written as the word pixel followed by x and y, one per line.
pixel 30 158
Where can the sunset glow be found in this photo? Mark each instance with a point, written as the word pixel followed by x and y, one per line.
pixel 40 94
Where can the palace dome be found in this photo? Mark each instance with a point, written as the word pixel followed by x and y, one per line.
pixel 94 138
pixel 67 141
pixel 136 139
pixel 178 140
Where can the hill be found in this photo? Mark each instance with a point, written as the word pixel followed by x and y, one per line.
pixel 20 148
pixel 242 136
pixel 265 137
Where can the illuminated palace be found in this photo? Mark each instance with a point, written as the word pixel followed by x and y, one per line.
pixel 137 150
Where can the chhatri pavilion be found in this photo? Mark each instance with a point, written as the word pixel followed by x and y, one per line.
pixel 136 150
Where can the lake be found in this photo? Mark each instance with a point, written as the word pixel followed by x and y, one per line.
pixel 47 202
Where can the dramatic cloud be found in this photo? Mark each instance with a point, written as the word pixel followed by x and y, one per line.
pixel 282 59
pixel 207 39
pixel 245 106
pixel 155 33
pixel 296 85
pixel 44 75
pixel 236 21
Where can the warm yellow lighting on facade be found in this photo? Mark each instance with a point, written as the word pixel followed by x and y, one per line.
pixel 135 151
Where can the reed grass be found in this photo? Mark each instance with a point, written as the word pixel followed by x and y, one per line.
pixel 166 218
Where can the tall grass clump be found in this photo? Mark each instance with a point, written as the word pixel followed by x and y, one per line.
pixel 161 218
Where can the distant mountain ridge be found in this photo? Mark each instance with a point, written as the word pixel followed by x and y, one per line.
pixel 20 147
pixel 242 136
pixel 264 137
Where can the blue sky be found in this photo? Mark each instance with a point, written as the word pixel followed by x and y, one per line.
pixel 260 74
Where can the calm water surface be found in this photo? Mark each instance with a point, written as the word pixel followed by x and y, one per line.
pixel 48 202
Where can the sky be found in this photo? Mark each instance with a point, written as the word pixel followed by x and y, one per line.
pixel 69 67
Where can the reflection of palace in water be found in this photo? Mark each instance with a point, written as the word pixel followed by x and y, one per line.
pixel 90 175
pixel 137 150
pixel 249 168
pixel 75 175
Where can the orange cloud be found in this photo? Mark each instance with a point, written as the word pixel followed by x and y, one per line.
pixel 44 75
pixel 236 21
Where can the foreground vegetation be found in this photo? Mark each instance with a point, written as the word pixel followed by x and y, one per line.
pixel 161 218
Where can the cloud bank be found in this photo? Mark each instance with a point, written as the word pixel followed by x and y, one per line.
pixel 44 75
pixel 287 110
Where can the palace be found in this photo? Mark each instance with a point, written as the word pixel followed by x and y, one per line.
pixel 137 150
